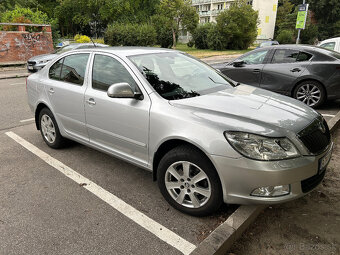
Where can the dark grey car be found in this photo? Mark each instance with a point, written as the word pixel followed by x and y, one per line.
pixel 308 73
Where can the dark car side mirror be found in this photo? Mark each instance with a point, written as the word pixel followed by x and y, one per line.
pixel 239 63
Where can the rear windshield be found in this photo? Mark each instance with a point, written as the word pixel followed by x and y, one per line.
pixel 329 52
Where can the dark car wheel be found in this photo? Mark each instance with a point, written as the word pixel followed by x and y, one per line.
pixel 49 130
pixel 189 182
pixel 312 93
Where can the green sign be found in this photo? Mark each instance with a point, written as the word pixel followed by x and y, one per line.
pixel 302 16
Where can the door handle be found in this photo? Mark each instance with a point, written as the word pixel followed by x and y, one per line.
pixel 91 101
pixel 256 70
pixel 295 70
pixel 51 91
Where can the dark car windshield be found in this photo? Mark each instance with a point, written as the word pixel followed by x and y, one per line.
pixel 66 48
pixel 175 75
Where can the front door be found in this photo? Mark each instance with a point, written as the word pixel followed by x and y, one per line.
pixel 117 125
pixel 250 72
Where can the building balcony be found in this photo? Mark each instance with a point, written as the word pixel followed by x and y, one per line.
pixel 204 13
pixel 197 2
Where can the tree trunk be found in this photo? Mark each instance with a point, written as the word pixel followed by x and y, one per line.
pixel 173 38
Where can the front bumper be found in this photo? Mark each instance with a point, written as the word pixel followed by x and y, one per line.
pixel 239 177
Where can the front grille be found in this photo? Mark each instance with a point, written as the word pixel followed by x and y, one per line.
pixel 310 183
pixel 31 63
pixel 314 138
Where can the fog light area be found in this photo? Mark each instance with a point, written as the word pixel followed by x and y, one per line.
pixel 271 191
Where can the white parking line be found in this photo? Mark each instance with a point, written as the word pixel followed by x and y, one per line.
pixel 328 115
pixel 27 120
pixel 149 224
pixel 14 84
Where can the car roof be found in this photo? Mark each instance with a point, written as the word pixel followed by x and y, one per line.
pixel 330 40
pixel 129 50
pixel 292 46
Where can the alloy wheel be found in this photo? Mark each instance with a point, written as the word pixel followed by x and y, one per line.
pixel 188 184
pixel 309 94
pixel 48 129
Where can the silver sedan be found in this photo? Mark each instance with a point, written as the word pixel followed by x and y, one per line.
pixel 206 139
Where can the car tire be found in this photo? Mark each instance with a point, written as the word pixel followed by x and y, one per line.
pixel 49 130
pixel 311 93
pixel 197 189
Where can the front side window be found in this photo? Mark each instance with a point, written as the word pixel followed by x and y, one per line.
pixel 330 45
pixel 255 58
pixel 74 67
pixel 285 56
pixel 176 76
pixel 107 71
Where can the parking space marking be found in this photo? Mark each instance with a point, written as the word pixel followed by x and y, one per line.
pixel 328 115
pixel 141 219
pixel 27 120
pixel 14 84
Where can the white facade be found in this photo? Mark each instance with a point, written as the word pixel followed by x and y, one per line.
pixel 209 9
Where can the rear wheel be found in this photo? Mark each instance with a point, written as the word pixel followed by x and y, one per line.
pixel 312 93
pixel 49 130
pixel 189 182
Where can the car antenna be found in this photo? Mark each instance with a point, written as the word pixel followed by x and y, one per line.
pixel 93 42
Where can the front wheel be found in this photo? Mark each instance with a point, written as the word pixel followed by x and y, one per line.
pixel 189 182
pixel 312 93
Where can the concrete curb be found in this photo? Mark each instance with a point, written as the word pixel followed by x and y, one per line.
pixel 223 237
pixel 15 75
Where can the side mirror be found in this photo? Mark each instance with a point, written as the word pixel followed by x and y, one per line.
pixel 122 90
pixel 239 63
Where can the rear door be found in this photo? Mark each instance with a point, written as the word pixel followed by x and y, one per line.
pixel 283 70
pixel 250 72
pixel 66 88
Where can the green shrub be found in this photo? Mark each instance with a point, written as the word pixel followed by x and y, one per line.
pixel 200 35
pixel 191 43
pixel 82 38
pixel 237 26
pixel 163 26
pixel 310 34
pixel 130 35
pixel 285 37
pixel 215 40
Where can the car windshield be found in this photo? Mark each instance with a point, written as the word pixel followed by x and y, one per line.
pixel 66 48
pixel 176 76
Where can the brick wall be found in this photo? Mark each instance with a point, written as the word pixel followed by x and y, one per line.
pixel 19 46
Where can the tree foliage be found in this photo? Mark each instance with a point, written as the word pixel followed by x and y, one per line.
pixel 182 15
pixel 237 26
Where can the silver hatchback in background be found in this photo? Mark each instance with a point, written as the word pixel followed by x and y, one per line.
pixel 36 63
pixel 205 139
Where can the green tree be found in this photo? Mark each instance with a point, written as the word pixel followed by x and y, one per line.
pixel 237 26
pixel 182 14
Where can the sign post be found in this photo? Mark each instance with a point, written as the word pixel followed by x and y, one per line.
pixel 301 19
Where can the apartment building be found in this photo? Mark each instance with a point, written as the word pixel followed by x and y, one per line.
pixel 209 9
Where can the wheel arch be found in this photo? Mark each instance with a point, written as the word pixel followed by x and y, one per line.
pixel 38 109
pixel 308 79
pixel 170 144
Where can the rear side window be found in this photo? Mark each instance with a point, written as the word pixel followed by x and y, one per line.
pixel 54 72
pixel 107 71
pixel 330 45
pixel 285 56
pixel 74 67
pixel 70 69
pixel 304 56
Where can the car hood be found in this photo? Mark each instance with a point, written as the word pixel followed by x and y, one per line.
pixel 43 57
pixel 246 105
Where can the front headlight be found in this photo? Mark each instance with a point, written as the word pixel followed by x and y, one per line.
pixel 261 147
